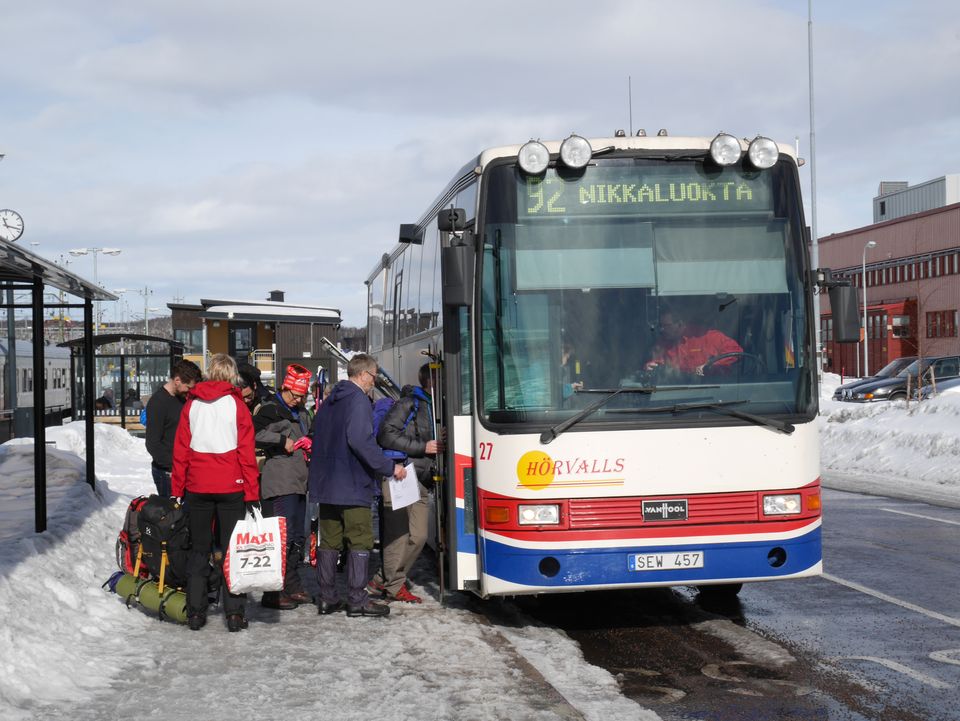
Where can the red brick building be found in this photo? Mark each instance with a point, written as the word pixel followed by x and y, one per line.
pixel 912 288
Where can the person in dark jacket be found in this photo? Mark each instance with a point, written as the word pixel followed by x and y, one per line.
pixel 215 470
pixel 163 417
pixel 408 427
pixel 345 471
pixel 262 392
pixel 281 434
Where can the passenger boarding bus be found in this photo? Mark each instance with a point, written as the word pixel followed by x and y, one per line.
pixel 624 331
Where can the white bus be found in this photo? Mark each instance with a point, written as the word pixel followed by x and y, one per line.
pixel 629 382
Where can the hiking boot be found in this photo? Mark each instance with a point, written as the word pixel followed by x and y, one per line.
pixel 370 608
pixel 300 597
pixel 196 621
pixel 278 600
pixel 236 622
pixel 325 609
pixel 404 595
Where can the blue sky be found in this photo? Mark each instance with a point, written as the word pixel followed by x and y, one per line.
pixel 230 148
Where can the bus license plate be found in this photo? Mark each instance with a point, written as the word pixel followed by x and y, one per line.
pixel 664 561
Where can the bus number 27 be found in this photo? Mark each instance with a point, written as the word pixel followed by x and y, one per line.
pixel 486 450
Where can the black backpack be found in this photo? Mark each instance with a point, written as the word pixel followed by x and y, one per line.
pixel 164 540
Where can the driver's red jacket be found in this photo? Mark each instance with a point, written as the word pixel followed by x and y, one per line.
pixel 692 351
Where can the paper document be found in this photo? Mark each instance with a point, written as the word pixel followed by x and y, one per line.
pixel 406 492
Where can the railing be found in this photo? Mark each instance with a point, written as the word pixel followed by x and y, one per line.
pixel 264 360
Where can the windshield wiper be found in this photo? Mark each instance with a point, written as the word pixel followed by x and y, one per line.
pixel 551 433
pixel 724 408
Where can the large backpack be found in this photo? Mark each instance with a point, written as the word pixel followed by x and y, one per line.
pixel 164 540
pixel 128 542
pixel 380 410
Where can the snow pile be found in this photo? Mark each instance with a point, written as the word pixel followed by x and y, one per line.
pixel 895 443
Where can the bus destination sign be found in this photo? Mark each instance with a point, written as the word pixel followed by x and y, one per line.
pixel 645 190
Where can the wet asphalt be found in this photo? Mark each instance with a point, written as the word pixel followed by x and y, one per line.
pixel 876 638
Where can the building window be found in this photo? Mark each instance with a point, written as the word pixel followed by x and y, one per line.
pixel 901 326
pixel 883 207
pixel 942 324
pixel 192 340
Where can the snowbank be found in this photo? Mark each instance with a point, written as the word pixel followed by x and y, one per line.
pixel 898 448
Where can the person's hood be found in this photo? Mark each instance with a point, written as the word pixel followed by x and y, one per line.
pixel 212 390
pixel 344 389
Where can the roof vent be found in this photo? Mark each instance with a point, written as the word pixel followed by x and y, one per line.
pixel 276 296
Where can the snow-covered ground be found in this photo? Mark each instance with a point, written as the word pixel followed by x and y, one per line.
pixel 72 650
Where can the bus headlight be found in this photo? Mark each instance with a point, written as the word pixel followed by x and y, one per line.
pixel 782 505
pixel 763 153
pixel 539 515
pixel 575 152
pixel 725 149
pixel 533 157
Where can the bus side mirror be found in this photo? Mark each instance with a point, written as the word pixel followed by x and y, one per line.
pixel 452 220
pixel 410 234
pixel 457 269
pixel 846 317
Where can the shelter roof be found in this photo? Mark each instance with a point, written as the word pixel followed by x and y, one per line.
pixel 18 263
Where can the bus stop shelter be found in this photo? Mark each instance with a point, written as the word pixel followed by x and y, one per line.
pixel 27 273
pixel 123 362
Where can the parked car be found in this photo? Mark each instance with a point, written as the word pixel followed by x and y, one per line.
pixel 888 371
pixel 893 389
pixel 927 391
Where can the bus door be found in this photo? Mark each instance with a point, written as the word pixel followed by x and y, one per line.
pixel 462 555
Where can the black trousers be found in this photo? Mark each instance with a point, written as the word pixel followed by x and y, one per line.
pixel 227 508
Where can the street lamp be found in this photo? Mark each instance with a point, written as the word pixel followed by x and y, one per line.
pixel 866 337
pixel 146 293
pixel 96 282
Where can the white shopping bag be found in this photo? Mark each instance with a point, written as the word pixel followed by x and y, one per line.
pixel 256 558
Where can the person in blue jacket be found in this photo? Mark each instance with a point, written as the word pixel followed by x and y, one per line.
pixel 345 470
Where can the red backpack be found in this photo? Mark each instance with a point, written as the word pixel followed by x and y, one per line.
pixel 128 542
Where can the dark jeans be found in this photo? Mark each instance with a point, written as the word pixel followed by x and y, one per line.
pixel 227 509
pixel 161 479
pixel 293 507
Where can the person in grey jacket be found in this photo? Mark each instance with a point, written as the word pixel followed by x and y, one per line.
pixel 281 426
pixel 408 427
pixel 344 475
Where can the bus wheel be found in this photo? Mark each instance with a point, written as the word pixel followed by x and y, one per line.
pixel 720 592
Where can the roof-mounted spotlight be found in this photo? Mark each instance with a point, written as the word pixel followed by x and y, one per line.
pixel 725 149
pixel 763 153
pixel 620 133
pixel 575 152
pixel 533 157
pixel 641 133
pixel 662 133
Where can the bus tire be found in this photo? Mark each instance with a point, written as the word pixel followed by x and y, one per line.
pixel 720 591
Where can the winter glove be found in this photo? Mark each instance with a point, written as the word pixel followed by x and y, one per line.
pixel 305 443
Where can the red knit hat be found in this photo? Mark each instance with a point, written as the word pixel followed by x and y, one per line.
pixel 297 379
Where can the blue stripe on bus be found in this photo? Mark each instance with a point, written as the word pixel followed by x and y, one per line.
pixel 466 542
pixel 608 566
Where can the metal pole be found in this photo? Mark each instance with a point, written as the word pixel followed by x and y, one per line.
pixel 815 250
pixel 11 355
pixel 866 336
pixel 88 389
pixel 39 414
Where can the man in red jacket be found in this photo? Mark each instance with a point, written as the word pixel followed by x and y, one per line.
pixel 687 349
pixel 215 470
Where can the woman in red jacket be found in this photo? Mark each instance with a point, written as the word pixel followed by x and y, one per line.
pixel 215 470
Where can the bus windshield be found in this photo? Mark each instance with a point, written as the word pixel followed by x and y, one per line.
pixel 681 280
